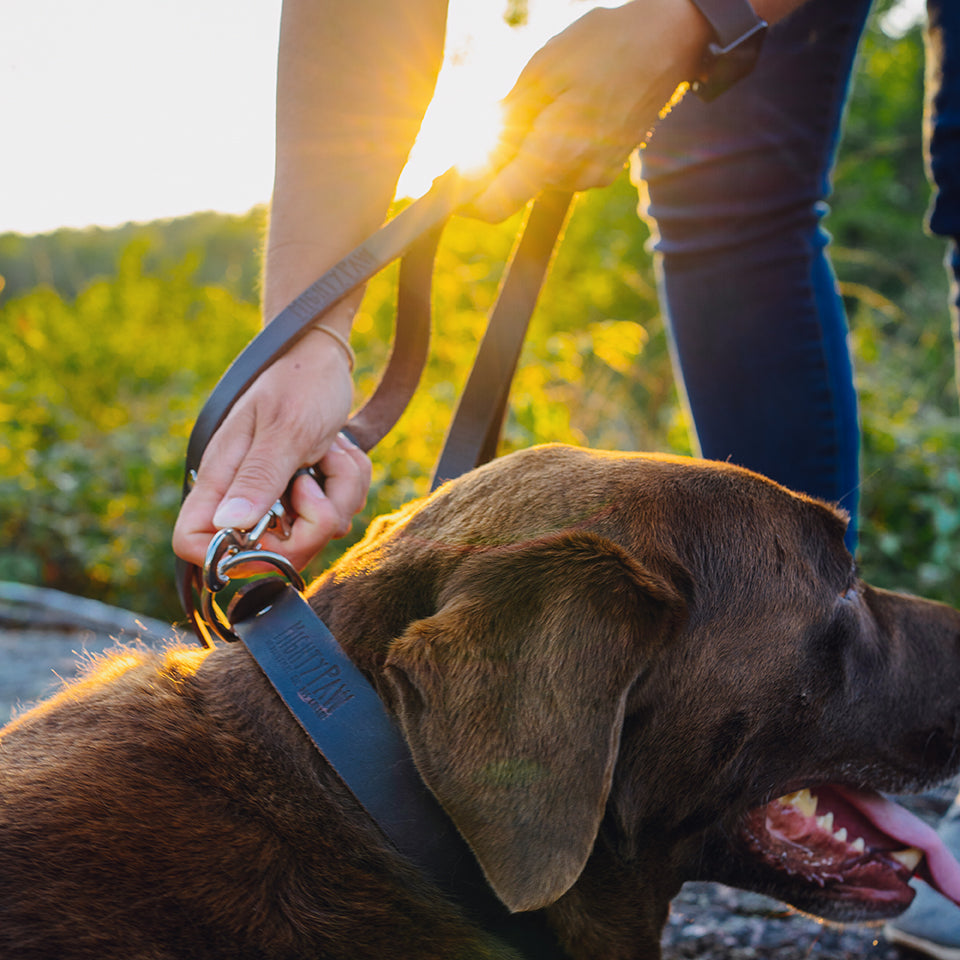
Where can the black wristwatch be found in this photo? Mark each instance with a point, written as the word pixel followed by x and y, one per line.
pixel 739 36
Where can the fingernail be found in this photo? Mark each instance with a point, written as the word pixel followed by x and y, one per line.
pixel 344 442
pixel 233 513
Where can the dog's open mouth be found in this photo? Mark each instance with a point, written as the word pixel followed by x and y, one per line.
pixel 857 848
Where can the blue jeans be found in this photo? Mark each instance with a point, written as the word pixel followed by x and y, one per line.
pixel 942 140
pixel 735 191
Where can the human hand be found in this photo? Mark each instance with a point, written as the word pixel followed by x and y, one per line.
pixel 290 417
pixel 588 98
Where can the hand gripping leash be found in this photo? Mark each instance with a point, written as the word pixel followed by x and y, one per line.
pixel 413 236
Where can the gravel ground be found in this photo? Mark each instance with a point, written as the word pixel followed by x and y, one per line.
pixel 43 633
pixel 712 922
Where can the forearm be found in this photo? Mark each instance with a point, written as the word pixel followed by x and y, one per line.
pixel 354 80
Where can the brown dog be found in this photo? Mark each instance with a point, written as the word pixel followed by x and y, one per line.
pixel 607 667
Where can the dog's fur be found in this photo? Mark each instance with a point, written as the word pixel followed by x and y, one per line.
pixel 601 664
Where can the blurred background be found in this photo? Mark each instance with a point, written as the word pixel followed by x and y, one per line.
pixel 121 304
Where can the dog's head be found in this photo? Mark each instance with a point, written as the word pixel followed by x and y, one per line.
pixel 628 659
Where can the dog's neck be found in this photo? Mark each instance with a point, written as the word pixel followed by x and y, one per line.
pixel 608 888
pixel 615 910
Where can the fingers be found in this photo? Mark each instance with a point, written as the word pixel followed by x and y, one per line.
pixel 239 479
pixel 321 513
pixel 324 513
pixel 288 418
pixel 561 150
pixel 221 460
pixel 585 101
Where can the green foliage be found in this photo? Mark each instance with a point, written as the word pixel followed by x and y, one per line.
pixel 99 392
pixel 97 398
pixel 111 340
pixel 895 286
pixel 223 249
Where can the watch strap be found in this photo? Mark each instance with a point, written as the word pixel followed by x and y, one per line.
pixel 730 19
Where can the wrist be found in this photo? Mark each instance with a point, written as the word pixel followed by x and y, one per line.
pixel 316 362
pixel 328 330
pixel 290 269
pixel 683 27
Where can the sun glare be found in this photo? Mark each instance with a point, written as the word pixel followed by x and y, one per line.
pixel 484 56
pixel 483 59
pixel 461 130
pixel 477 138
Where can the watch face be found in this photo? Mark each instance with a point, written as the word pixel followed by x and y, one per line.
pixel 724 66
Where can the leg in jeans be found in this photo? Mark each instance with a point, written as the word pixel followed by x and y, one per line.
pixel 735 191
pixel 942 139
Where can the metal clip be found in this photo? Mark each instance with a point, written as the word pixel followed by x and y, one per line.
pixel 230 549
pixel 276 520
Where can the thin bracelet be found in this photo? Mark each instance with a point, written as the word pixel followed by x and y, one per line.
pixel 342 340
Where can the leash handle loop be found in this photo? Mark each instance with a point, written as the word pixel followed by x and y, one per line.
pixel 413 235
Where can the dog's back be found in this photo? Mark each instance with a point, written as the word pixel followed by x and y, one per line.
pixel 166 805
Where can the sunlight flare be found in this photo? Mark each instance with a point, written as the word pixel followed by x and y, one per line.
pixel 461 129
pixel 477 139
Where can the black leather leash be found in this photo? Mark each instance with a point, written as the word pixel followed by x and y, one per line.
pixel 413 235
pixel 478 421
pixel 331 699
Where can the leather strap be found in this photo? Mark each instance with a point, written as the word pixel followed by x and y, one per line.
pixel 477 423
pixel 337 707
pixel 343 715
pixel 730 19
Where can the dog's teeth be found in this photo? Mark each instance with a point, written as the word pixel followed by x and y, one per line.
pixel 841 835
pixel 859 845
pixel 802 800
pixel 825 822
pixel 909 857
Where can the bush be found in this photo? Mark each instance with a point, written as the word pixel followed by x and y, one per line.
pixel 98 397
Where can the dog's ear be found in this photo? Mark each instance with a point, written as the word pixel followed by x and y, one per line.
pixel 512 699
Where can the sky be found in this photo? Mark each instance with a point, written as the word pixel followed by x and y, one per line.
pixel 118 110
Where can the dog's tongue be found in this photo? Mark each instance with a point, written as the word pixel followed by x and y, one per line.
pixel 942 870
